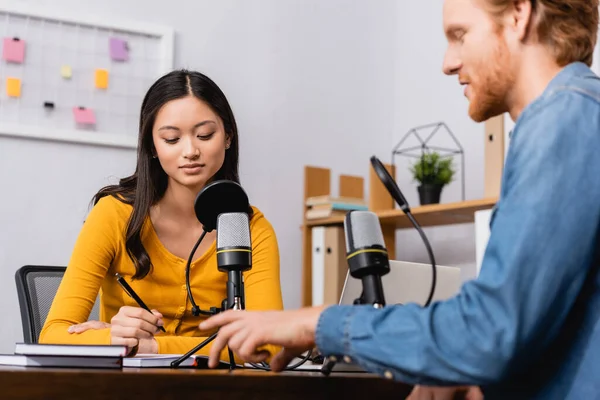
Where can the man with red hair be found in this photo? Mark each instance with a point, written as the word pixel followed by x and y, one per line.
pixel 529 326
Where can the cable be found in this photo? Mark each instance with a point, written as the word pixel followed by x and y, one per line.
pixel 195 309
pixel 429 251
pixel 266 367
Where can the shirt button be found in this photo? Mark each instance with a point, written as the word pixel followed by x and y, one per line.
pixel 183 287
pixel 388 374
pixel 347 360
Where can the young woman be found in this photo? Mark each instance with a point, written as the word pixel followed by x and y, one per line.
pixel 145 227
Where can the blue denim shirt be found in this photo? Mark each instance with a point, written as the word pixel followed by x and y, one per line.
pixel 529 325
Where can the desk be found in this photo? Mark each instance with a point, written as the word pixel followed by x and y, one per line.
pixel 184 384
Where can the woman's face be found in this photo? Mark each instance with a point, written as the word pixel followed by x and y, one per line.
pixel 190 142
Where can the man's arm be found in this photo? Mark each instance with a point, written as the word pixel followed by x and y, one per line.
pixel 540 249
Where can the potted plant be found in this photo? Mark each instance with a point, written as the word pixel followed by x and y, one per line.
pixel 432 172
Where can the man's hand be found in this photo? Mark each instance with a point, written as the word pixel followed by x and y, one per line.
pixel 245 331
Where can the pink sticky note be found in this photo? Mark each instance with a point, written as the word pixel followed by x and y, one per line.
pixel 84 115
pixel 119 51
pixel 13 50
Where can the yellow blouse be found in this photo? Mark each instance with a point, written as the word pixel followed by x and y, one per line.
pixel 100 252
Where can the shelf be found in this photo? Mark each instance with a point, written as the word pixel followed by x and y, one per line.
pixel 429 215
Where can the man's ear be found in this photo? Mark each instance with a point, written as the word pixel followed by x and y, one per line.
pixel 521 18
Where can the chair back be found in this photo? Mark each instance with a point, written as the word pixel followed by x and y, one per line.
pixel 36 288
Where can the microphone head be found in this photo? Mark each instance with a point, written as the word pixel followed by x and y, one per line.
pixel 389 183
pixel 218 197
pixel 233 230
pixel 365 247
pixel 234 245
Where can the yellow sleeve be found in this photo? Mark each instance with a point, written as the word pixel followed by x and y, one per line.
pixel 93 253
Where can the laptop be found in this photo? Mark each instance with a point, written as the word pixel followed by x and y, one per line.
pixel 408 282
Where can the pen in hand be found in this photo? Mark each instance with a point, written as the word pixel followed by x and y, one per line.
pixel 134 295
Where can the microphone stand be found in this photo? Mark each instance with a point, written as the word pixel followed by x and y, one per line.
pixel 231 302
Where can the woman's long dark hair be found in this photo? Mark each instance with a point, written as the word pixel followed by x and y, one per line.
pixel 149 182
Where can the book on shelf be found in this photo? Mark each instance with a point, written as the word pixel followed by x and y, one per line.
pixel 327 199
pixel 332 209
pixel 324 213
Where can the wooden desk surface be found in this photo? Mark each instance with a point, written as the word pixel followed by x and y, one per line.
pixel 184 384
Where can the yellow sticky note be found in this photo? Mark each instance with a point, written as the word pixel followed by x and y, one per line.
pixel 66 71
pixel 101 78
pixel 13 87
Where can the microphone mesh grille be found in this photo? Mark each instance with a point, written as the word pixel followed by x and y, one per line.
pixel 365 230
pixel 233 230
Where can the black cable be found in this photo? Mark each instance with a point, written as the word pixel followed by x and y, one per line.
pixel 266 367
pixel 195 309
pixel 429 251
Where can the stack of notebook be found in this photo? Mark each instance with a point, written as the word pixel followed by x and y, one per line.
pixel 58 355
pixel 94 356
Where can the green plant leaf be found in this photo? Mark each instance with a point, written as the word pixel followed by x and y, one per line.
pixel 431 168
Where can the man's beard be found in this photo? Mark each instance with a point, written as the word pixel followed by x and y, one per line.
pixel 496 80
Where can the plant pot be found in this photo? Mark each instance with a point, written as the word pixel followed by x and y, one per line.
pixel 430 193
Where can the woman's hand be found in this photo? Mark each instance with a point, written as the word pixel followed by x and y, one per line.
pixel 79 328
pixel 134 326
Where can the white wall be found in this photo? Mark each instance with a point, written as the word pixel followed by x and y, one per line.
pixel 309 82
pixel 423 94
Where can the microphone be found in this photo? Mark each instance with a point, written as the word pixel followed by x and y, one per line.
pixel 216 198
pixel 367 260
pixel 223 204
pixel 366 254
pixel 234 254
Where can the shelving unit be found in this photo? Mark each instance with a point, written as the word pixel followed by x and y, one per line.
pixel 317 182
pixel 429 215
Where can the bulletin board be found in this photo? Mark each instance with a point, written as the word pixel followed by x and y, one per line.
pixel 77 78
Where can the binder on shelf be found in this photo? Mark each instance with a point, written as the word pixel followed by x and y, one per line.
pixel 329 266
pixel 318 265
pixel 336 267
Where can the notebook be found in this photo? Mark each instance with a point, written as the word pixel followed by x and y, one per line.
pixel 81 350
pixel 165 360
pixel 60 361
